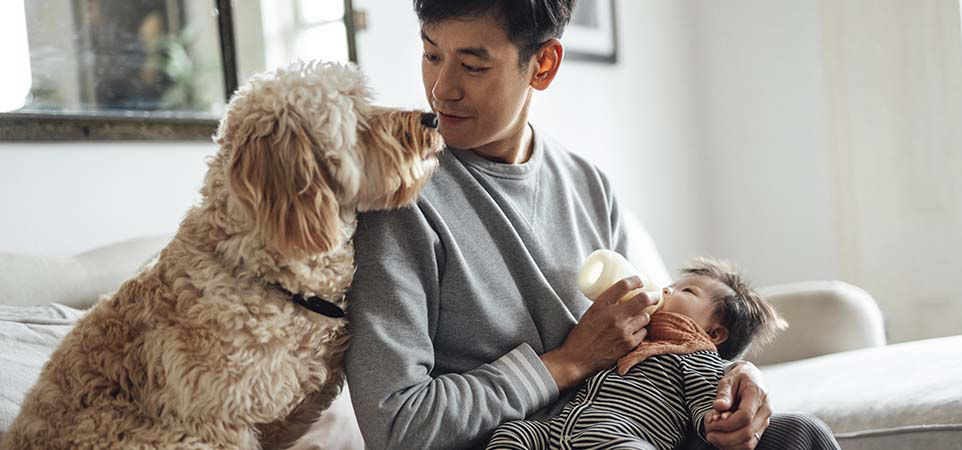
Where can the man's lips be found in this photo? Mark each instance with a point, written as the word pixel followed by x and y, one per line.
pixel 455 115
pixel 451 118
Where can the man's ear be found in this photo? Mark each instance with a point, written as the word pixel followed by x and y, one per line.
pixel 717 333
pixel 547 61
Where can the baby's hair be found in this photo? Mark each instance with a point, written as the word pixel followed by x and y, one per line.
pixel 744 312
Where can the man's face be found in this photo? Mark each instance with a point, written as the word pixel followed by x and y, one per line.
pixel 473 82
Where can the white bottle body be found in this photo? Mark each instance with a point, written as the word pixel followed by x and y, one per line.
pixel 603 268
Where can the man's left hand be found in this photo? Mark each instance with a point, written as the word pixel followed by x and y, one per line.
pixel 741 409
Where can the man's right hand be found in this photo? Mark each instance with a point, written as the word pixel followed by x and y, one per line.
pixel 607 331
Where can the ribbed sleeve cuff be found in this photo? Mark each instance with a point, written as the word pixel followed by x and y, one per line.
pixel 524 365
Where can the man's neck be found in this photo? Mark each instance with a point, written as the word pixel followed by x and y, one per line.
pixel 515 149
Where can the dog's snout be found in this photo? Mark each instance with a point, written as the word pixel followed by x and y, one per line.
pixel 429 120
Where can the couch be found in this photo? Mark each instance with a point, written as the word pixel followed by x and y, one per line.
pixel 832 362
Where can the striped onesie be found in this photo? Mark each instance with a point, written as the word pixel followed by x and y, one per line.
pixel 654 403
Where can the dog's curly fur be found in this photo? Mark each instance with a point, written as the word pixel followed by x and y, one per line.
pixel 198 350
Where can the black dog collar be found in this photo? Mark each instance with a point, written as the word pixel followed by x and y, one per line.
pixel 313 303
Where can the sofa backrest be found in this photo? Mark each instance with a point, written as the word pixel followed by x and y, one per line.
pixel 77 281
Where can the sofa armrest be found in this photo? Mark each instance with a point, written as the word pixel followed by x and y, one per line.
pixel 823 317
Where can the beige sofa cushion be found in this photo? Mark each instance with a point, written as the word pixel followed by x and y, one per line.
pixel 76 281
pixel 895 397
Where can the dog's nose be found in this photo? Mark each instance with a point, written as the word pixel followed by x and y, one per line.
pixel 429 120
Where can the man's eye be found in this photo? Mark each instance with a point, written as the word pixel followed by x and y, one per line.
pixel 474 69
pixel 688 290
pixel 431 58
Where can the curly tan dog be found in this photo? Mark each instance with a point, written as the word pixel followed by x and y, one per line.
pixel 233 337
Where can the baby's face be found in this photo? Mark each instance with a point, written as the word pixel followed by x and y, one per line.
pixel 693 296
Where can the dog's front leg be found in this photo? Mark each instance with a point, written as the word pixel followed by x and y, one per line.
pixel 284 433
pixel 222 387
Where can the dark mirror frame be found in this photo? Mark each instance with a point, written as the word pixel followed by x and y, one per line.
pixel 145 126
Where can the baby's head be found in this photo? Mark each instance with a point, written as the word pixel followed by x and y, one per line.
pixel 720 300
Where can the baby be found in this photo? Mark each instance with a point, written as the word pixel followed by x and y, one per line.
pixel 668 383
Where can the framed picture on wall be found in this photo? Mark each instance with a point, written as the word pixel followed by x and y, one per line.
pixel 591 34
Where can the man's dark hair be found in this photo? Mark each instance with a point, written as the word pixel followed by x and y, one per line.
pixel 528 23
pixel 747 316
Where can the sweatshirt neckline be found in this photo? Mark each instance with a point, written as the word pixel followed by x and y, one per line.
pixel 504 170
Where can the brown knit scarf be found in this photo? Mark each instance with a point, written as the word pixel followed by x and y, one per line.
pixel 668 333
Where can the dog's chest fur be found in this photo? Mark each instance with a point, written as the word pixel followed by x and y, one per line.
pixel 188 312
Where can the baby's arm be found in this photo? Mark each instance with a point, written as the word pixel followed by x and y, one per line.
pixel 702 371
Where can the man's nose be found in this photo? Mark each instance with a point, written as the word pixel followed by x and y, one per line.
pixel 446 86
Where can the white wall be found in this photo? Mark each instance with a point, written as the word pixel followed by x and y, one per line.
pixel 761 110
pixel 60 199
pixel 895 124
pixel 831 134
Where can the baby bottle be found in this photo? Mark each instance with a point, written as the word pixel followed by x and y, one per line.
pixel 604 268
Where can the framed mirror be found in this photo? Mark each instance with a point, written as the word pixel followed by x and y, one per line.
pixel 149 69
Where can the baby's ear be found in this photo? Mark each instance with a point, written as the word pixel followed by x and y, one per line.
pixel 717 333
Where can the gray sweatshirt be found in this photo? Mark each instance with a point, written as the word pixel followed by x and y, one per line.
pixel 454 299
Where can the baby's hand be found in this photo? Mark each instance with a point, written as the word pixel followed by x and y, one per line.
pixel 711 417
pixel 715 415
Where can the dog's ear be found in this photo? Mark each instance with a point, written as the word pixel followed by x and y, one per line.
pixel 277 178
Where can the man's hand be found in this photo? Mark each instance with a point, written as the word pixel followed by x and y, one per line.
pixel 607 331
pixel 741 409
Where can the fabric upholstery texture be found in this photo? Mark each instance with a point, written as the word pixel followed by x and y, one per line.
pixel 899 396
pixel 28 334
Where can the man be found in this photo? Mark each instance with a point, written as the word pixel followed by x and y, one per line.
pixel 465 312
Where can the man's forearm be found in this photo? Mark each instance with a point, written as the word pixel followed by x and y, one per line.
pixel 452 410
